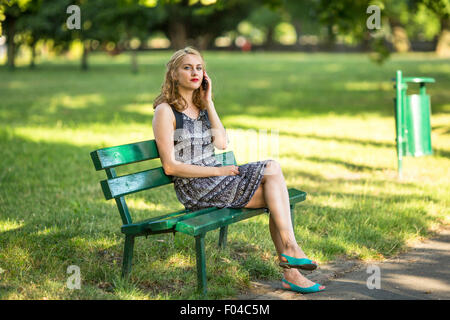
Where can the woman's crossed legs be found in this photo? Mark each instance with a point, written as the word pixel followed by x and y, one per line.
pixel 272 194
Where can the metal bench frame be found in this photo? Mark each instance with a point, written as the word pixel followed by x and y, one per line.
pixel 193 223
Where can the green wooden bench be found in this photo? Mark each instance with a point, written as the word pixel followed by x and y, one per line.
pixel 193 223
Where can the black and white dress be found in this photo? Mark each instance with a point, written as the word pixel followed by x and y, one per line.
pixel 193 145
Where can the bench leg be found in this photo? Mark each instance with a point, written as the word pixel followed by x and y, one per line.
pixel 292 215
pixel 201 263
pixel 127 255
pixel 223 237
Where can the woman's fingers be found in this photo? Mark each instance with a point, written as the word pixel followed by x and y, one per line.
pixel 205 75
pixel 233 170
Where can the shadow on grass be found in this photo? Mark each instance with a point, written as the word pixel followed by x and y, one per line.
pixel 285 87
pixel 346 164
pixel 361 142
pixel 52 191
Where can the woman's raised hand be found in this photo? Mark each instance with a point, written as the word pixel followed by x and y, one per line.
pixel 207 94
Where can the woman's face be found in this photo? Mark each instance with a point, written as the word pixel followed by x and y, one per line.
pixel 190 72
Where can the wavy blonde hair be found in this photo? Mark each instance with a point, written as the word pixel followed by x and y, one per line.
pixel 169 89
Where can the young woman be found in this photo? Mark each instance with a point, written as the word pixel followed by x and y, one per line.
pixel 187 128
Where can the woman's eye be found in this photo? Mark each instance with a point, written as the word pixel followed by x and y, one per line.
pixel 198 68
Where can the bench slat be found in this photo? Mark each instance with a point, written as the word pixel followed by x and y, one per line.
pixel 226 158
pixel 124 154
pixel 166 222
pixel 169 221
pixel 222 217
pixel 135 152
pixel 216 219
pixel 135 182
pixel 131 183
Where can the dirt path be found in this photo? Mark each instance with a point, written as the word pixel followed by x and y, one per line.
pixel 420 273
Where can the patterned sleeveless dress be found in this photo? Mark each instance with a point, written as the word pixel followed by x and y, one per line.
pixel 193 145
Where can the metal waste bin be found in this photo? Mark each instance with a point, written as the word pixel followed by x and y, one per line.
pixel 412 115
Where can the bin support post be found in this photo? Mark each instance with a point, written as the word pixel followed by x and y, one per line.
pixel 399 107
pixel 422 90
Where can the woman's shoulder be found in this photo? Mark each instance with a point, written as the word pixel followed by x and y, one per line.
pixel 164 109
pixel 163 106
pixel 163 112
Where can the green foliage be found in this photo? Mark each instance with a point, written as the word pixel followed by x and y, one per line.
pixel 424 25
pixel 380 52
pixel 265 17
pixel 125 24
pixel 440 7
pixel 303 14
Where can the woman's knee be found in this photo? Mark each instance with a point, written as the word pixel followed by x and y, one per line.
pixel 273 169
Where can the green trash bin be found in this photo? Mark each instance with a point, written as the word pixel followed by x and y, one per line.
pixel 412 113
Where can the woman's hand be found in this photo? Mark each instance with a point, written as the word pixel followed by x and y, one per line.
pixel 228 170
pixel 207 94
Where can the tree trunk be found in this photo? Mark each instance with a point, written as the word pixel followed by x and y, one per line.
pixel 331 38
pixel 178 35
pixel 443 45
pixel 298 31
pixel 203 42
pixel 33 54
pixel 269 37
pixel 366 42
pixel 10 33
pixel 84 57
pixel 400 39
pixel 179 15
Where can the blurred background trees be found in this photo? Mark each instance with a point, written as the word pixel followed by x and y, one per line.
pixel 36 27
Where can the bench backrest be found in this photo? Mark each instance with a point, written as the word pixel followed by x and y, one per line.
pixel 118 187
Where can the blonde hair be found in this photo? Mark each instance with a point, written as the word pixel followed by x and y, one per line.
pixel 169 89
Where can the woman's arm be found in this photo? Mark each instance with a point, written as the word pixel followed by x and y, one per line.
pixel 218 132
pixel 163 129
pixel 219 135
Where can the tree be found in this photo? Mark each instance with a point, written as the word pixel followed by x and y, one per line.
pixel 199 22
pixel 441 8
pixel 212 21
pixel 398 16
pixel 43 21
pixel 266 19
pixel 128 23
pixel 303 14
pixel 93 26
pixel 346 16
pixel 12 12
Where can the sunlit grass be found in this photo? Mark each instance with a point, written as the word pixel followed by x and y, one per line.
pixel 328 119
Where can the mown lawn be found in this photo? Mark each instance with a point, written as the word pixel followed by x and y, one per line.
pixel 332 115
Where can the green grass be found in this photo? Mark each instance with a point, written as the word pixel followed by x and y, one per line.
pixel 334 118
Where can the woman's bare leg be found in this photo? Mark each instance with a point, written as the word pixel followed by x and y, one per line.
pixel 273 194
pixel 280 223
pixel 276 199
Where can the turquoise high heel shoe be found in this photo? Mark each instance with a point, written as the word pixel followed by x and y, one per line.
pixel 302 263
pixel 296 288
